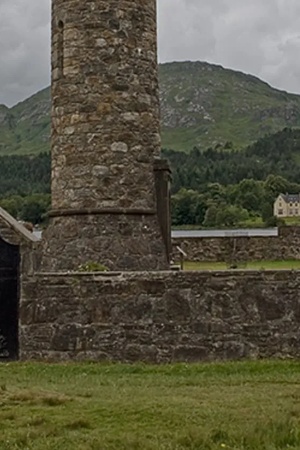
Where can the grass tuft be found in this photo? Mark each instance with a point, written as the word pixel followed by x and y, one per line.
pixel 34 398
pixel 78 424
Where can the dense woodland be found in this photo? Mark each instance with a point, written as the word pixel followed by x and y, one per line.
pixel 25 186
pixel 220 186
pixel 223 186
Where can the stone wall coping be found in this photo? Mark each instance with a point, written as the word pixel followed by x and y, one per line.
pixel 229 236
pixel 102 211
pixel 162 274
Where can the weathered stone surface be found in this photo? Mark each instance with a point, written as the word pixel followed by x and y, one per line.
pixel 109 106
pixel 285 246
pixel 126 242
pixel 105 134
pixel 161 316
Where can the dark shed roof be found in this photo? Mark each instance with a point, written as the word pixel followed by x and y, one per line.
pixel 12 231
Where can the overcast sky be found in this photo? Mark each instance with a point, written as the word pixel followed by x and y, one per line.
pixel 261 37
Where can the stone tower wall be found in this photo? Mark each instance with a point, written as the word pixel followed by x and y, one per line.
pixel 105 113
pixel 105 137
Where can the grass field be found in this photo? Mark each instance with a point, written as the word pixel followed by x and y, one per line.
pixel 292 221
pixel 252 405
pixel 254 265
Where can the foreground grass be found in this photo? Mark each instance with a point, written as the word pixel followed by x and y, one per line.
pixel 231 406
pixel 251 265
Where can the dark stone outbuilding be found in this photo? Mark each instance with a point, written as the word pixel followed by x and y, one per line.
pixel 16 256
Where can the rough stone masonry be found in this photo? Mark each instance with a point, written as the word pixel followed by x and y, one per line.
pixel 161 317
pixel 109 200
pixel 109 190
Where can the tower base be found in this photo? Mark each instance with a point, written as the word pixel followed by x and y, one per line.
pixel 127 241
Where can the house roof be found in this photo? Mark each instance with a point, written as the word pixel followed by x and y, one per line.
pixel 17 227
pixel 291 198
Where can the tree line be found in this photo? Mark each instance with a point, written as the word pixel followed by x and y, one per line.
pixel 220 186
pixel 24 174
pixel 216 205
pixel 277 154
pixel 25 186
pixel 223 186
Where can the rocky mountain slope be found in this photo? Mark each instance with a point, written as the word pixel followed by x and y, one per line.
pixel 202 105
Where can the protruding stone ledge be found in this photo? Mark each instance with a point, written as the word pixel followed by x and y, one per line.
pixel 102 211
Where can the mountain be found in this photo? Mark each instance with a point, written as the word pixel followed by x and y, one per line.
pixel 25 128
pixel 202 105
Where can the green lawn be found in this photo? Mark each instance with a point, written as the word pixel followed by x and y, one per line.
pixel 251 405
pixel 254 265
pixel 292 220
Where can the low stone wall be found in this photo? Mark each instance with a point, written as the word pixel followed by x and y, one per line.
pixel 160 316
pixel 285 246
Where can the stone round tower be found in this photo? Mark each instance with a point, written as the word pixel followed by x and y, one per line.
pixel 109 188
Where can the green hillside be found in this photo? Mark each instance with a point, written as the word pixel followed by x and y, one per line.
pixel 202 105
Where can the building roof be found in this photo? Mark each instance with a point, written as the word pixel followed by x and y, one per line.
pixel 17 227
pixel 291 198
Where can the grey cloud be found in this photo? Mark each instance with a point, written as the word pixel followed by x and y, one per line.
pixel 261 37
pixel 25 48
pixel 258 36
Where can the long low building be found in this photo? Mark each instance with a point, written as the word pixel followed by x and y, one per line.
pixel 249 232
pixel 240 245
